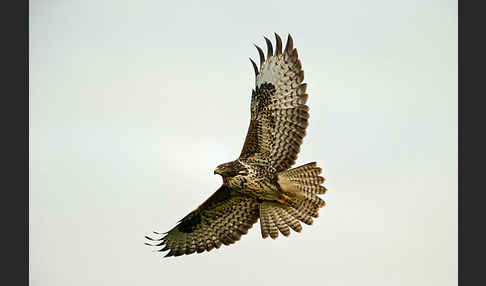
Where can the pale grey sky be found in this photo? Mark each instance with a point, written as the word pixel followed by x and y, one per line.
pixel 133 104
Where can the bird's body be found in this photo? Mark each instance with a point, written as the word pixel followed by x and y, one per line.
pixel 252 179
pixel 259 184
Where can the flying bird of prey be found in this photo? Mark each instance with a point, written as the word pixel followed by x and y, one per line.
pixel 259 184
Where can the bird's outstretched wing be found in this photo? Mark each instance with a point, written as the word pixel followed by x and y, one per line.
pixel 279 115
pixel 221 219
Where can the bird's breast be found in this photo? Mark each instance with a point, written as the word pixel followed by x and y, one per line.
pixel 237 182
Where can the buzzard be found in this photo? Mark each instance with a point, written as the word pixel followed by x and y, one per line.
pixel 259 184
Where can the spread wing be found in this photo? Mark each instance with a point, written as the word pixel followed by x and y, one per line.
pixel 279 115
pixel 221 219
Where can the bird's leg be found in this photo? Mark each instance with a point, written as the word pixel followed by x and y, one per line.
pixel 285 199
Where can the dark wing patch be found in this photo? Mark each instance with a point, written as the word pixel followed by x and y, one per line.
pixel 279 114
pixel 190 222
pixel 222 219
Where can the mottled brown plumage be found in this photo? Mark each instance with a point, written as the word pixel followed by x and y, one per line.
pixel 259 184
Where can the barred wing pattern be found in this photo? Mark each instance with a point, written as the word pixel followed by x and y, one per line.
pixel 279 115
pixel 221 219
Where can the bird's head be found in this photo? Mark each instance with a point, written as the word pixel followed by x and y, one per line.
pixel 230 169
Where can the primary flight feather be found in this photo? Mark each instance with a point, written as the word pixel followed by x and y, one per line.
pixel 259 184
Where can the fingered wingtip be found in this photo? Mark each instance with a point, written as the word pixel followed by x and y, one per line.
pixel 152 239
pixel 261 54
pixel 146 243
pixel 255 68
pixel 290 44
pixel 170 253
pixel 278 49
pixel 269 47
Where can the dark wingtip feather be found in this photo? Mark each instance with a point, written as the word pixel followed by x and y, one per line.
pixel 269 47
pixel 152 239
pixel 157 242
pixel 278 49
pixel 303 87
pixel 290 44
pixel 169 254
pixel 255 68
pixel 261 54
pixel 301 75
pixel 295 55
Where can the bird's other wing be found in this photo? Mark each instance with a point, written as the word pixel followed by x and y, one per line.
pixel 222 219
pixel 279 115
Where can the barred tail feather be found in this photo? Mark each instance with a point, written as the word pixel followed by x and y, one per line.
pixel 289 220
pixel 264 219
pixel 301 185
pixel 280 222
pixel 303 182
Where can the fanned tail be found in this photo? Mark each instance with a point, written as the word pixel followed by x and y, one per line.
pixel 300 187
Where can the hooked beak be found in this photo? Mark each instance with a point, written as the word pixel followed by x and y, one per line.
pixel 217 171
